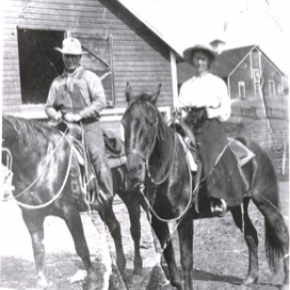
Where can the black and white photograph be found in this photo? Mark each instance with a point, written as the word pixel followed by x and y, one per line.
pixel 145 145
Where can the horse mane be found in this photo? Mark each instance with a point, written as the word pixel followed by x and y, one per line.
pixel 26 131
pixel 142 98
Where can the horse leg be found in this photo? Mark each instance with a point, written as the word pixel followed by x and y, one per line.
pixel 244 223
pixel 162 231
pixel 277 234
pixel 134 210
pixel 74 224
pixel 35 228
pixel 107 215
pixel 185 231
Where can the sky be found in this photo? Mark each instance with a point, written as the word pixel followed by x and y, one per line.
pixel 183 23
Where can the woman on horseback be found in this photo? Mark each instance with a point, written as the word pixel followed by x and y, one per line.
pixel 207 94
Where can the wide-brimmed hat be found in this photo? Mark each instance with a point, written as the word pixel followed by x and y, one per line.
pixel 71 46
pixel 187 54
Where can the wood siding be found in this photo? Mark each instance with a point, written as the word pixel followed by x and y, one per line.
pixel 139 56
pixel 242 74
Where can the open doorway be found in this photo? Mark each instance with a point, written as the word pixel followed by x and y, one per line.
pixel 39 63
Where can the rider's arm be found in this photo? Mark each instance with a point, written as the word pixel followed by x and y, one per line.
pixel 221 110
pixel 50 110
pixel 97 94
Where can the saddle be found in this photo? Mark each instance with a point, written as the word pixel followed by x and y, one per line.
pixel 114 150
pixel 243 153
pixel 114 147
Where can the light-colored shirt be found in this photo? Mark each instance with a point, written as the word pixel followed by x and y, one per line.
pixel 207 91
pixel 91 90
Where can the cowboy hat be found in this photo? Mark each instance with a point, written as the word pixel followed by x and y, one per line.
pixel 188 53
pixel 71 46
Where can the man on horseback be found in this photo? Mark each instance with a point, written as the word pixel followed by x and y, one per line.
pixel 207 93
pixel 78 96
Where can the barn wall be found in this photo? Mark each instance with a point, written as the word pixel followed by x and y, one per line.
pixel 242 74
pixel 271 73
pixel 139 56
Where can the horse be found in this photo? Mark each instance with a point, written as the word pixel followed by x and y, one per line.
pixel 157 164
pixel 46 181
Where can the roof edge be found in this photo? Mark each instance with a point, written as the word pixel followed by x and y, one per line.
pixel 237 66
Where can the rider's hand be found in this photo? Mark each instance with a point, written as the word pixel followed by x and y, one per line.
pixel 58 116
pixel 69 117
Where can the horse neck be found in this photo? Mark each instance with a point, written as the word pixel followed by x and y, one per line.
pixel 164 146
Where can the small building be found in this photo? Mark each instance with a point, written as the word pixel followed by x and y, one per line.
pixel 249 73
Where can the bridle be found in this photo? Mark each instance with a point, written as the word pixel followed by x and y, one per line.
pixel 149 149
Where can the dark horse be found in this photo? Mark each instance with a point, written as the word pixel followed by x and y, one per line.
pixel 46 180
pixel 157 159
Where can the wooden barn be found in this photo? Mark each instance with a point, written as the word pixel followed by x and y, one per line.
pixel 121 49
pixel 248 73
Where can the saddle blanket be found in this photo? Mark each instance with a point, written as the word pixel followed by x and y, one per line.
pixel 243 153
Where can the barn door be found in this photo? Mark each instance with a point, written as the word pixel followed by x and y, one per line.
pixel 99 60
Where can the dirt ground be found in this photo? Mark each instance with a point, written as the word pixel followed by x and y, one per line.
pixel 220 253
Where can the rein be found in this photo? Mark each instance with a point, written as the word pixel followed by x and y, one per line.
pixel 57 195
pixel 189 204
pixel 38 177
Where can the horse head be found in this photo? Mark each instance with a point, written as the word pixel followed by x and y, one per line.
pixel 140 122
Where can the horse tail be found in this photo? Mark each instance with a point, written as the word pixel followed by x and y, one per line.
pixel 265 194
pixel 274 249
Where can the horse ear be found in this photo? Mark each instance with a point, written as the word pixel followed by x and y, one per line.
pixel 155 95
pixel 129 93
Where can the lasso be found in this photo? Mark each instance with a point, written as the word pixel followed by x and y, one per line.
pixel 60 190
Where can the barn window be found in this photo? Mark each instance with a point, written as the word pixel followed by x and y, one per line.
pixel 255 57
pixel 272 88
pixel 242 93
pixel 99 60
pixel 39 63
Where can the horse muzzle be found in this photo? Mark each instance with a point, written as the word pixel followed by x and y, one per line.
pixel 136 169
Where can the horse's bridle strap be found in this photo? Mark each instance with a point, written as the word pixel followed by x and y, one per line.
pixel 137 152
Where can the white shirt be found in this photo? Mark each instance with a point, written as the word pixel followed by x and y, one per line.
pixel 207 91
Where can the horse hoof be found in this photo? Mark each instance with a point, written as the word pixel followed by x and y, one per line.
pixel 41 283
pixel 250 280
pixel 80 275
pixel 138 266
pixel 121 264
pixel 137 271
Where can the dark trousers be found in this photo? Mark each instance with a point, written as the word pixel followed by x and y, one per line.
pixel 220 165
pixel 95 148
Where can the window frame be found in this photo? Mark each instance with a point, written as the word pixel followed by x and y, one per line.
pixel 272 86
pixel 241 84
